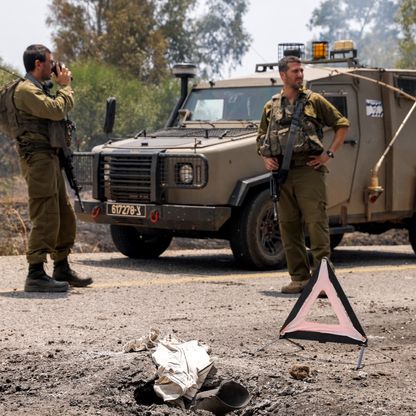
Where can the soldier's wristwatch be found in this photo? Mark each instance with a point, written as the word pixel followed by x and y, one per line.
pixel 330 154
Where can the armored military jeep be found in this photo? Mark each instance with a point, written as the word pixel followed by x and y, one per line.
pixel 200 176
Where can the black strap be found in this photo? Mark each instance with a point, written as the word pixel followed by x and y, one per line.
pixel 293 131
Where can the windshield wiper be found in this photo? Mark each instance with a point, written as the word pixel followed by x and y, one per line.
pixel 204 122
pixel 223 134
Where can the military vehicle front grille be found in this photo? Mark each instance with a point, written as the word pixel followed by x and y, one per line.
pixel 83 170
pixel 82 163
pixel 127 178
pixel 100 179
pixel 208 133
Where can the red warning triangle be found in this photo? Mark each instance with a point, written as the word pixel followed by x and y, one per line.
pixel 348 330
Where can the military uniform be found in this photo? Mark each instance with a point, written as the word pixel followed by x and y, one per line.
pixel 51 213
pixel 303 199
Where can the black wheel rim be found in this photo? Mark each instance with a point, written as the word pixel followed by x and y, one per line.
pixel 269 234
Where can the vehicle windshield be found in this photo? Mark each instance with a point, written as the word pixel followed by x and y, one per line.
pixel 215 104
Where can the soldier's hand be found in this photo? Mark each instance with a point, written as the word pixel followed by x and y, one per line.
pixel 63 77
pixel 318 161
pixel 271 163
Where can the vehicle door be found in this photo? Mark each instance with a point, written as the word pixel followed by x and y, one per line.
pixel 342 168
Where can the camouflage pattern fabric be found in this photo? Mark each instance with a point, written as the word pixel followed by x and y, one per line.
pixel 275 124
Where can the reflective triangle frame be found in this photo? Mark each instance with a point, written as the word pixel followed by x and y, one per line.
pixel 347 331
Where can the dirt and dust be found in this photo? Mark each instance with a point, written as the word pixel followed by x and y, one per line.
pixel 93 238
pixel 63 353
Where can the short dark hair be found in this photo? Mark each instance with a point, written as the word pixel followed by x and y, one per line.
pixel 32 53
pixel 286 60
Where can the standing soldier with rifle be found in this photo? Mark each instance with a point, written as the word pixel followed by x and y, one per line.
pixel 289 140
pixel 43 136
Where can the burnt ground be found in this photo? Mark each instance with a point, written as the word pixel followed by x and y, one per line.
pixel 62 353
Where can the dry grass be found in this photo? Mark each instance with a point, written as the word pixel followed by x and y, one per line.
pixel 14 230
pixel 13 190
pixel 13 216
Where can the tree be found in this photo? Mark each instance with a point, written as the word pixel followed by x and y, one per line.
pixel 139 105
pixel 369 23
pixel 144 37
pixel 407 45
pixel 7 72
pixel 218 36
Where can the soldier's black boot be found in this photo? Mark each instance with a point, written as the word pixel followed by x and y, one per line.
pixel 38 281
pixel 63 273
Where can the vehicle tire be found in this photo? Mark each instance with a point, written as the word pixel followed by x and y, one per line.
pixel 130 242
pixel 255 237
pixel 412 232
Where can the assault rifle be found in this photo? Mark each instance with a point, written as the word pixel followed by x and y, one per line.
pixel 61 134
pixel 65 157
pixel 279 177
pixel 274 191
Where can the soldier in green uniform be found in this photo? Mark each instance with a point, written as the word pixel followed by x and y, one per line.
pixel 39 116
pixel 303 195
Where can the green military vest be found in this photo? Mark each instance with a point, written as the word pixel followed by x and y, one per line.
pixel 13 122
pixel 308 140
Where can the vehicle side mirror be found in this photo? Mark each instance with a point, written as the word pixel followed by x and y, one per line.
pixel 110 115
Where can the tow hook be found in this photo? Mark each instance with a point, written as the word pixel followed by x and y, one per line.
pixel 154 216
pixel 95 212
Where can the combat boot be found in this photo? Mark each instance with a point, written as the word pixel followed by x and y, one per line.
pixel 294 287
pixel 298 286
pixel 63 273
pixel 38 281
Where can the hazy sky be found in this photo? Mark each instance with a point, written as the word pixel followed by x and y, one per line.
pixel 268 21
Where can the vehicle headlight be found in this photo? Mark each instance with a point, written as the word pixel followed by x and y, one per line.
pixel 183 171
pixel 186 173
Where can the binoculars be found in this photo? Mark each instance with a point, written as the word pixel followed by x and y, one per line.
pixel 55 70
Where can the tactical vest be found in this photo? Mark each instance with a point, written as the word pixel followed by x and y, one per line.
pixel 308 141
pixel 14 123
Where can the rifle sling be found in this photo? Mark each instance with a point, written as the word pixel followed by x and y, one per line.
pixel 293 131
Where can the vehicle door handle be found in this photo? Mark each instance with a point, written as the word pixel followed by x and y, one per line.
pixel 352 142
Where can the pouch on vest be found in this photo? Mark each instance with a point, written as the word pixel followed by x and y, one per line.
pixel 9 125
pixel 308 139
pixel 269 147
pixel 269 144
pixel 313 136
pixel 57 134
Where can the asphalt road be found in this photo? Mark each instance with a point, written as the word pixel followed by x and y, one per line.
pixel 74 340
pixel 113 270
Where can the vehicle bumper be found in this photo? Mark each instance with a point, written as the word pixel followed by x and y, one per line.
pixel 167 217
